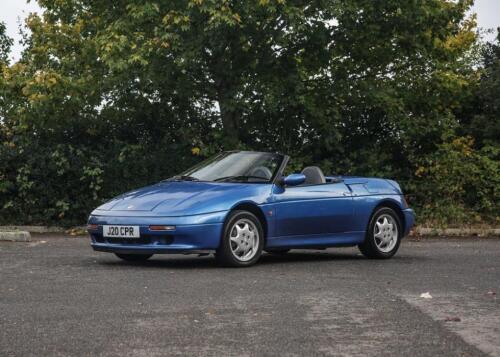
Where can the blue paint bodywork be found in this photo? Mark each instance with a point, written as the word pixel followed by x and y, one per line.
pixel 336 213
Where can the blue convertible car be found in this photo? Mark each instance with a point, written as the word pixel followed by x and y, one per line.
pixel 239 203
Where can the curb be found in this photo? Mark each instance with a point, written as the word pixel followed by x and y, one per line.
pixel 426 231
pixel 19 236
pixel 32 229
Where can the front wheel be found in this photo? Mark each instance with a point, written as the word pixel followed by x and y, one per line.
pixel 242 240
pixel 134 257
pixel 383 236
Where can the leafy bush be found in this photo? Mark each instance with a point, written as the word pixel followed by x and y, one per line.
pixel 458 185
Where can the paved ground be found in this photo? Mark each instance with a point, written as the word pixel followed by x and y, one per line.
pixel 58 297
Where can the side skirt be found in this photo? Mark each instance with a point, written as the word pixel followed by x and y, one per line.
pixel 343 239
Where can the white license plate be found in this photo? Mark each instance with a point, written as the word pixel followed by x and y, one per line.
pixel 121 231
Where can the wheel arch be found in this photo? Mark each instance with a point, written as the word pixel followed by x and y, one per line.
pixel 394 205
pixel 251 207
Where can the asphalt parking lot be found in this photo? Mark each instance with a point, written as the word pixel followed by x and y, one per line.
pixel 59 298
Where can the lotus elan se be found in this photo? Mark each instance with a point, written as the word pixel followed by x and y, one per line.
pixel 239 203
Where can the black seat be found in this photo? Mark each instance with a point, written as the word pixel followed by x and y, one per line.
pixel 314 175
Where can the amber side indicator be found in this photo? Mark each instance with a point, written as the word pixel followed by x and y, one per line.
pixel 92 227
pixel 162 228
pixel 405 202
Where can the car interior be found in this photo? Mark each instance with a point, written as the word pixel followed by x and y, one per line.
pixel 314 176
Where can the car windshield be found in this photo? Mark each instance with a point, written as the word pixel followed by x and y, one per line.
pixel 240 166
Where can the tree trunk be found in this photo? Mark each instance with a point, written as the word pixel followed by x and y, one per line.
pixel 229 118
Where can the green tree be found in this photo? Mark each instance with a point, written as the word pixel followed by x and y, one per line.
pixel 327 78
pixel 75 133
pixel 481 116
pixel 5 45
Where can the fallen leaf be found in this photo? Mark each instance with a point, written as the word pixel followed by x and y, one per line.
pixel 426 295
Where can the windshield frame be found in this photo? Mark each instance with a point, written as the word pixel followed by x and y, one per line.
pixel 275 174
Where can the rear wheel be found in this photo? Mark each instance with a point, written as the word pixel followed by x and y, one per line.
pixel 383 236
pixel 242 240
pixel 134 257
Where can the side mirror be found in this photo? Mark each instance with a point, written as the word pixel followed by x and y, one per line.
pixel 294 180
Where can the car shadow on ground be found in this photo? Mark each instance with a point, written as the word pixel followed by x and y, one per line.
pixel 196 262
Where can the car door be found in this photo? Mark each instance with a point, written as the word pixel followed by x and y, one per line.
pixel 314 209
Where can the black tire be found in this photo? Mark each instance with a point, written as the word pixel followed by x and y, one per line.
pixel 224 254
pixel 369 247
pixel 277 251
pixel 134 257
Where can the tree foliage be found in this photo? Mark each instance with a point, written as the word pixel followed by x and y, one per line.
pixel 5 44
pixel 111 95
pixel 480 115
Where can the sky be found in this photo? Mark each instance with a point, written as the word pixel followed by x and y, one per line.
pixel 12 12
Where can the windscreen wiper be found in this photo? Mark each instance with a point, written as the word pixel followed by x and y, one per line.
pixel 240 177
pixel 182 178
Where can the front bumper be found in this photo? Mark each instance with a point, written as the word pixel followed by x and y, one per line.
pixel 409 215
pixel 192 234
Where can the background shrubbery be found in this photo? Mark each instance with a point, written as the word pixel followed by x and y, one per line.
pixel 459 184
pixel 112 95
